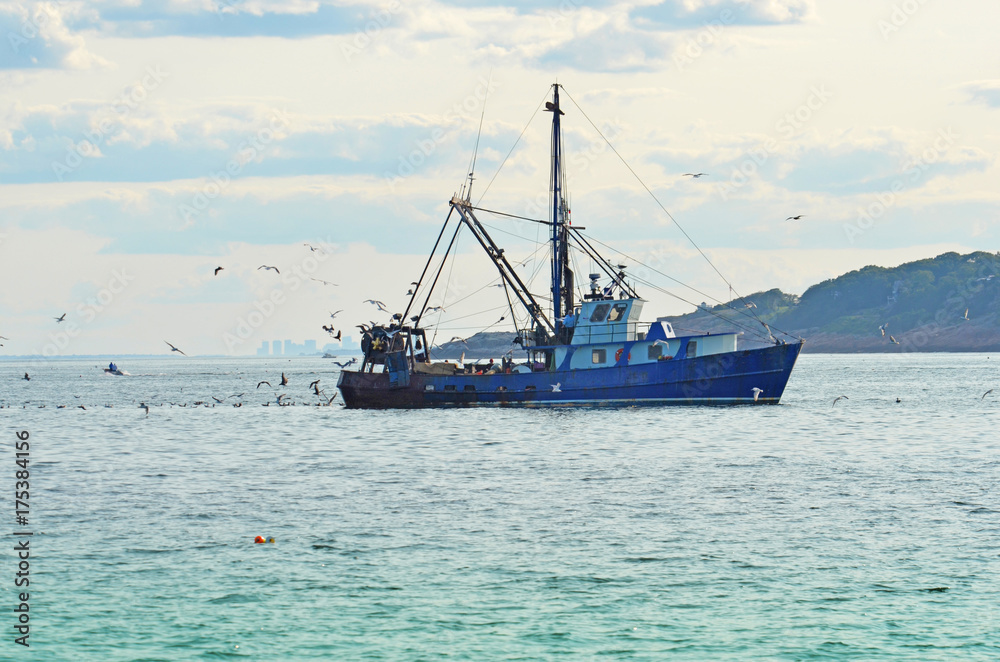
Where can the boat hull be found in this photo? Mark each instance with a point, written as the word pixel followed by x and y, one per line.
pixel 716 379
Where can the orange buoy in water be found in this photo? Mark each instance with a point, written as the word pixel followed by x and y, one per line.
pixel 270 539
pixel 258 539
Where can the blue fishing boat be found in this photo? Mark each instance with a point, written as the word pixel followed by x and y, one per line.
pixel 595 351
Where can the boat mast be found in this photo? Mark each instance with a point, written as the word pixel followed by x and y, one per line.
pixel 562 277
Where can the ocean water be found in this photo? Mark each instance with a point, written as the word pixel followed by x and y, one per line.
pixel 869 530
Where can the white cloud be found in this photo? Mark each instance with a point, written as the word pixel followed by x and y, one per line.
pixel 37 37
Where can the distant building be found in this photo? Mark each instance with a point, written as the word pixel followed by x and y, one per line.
pixel 310 347
pixel 275 348
pixel 264 349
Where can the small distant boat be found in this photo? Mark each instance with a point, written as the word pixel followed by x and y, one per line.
pixel 118 372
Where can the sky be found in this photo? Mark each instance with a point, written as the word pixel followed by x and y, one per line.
pixel 144 144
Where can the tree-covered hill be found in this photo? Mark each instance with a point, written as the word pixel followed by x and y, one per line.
pixel 922 305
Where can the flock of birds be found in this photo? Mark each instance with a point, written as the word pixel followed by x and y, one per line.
pixel 281 400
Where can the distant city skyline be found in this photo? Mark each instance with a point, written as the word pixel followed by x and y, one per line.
pixel 307 348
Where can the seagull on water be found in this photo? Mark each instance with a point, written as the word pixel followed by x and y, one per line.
pixel 839 398
pixel 756 393
pixel 174 349
pixel 267 268
pixel 62 318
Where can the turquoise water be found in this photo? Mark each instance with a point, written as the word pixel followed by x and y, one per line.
pixel 868 530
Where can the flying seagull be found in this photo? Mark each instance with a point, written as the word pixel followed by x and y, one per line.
pixel 334 315
pixel 267 268
pixel 313 248
pixel 756 393
pixel 985 394
pixel 555 387
pixel 143 405
pixel 174 349
pixel 345 363
pixel 694 175
pixel 795 218
pixel 217 270
pixel 284 380
pixel 750 304
pixel 60 319
pixel 434 309
pixel 883 328
pixel 259 383
pixel 325 282
pixel 839 398
pixel 966 315
pixel 381 306
pixel 893 340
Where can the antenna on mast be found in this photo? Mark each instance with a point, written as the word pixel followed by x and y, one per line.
pixel 475 152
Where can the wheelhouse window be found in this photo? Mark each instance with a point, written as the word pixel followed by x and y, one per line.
pixel 599 356
pixel 617 312
pixel 692 349
pixel 600 312
pixel 655 352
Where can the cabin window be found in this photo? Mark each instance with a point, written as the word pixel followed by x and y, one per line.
pixel 692 349
pixel 470 387
pixel 530 387
pixel 617 312
pixel 655 352
pixel 449 387
pixel 429 387
pixel 599 356
pixel 600 312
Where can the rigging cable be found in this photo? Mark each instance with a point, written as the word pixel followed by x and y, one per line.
pixel 648 190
